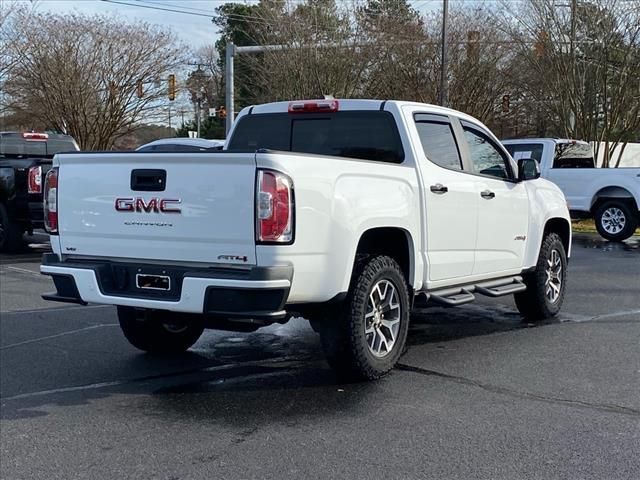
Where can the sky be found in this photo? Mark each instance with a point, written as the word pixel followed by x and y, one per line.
pixel 194 30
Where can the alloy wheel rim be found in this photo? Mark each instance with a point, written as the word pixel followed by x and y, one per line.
pixel 613 220
pixel 382 320
pixel 553 282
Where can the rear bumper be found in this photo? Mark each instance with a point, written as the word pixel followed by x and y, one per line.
pixel 250 292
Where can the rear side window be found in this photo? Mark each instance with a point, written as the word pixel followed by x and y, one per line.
pixel 366 135
pixel 439 144
pixel 573 155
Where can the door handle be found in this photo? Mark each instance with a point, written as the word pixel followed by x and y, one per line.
pixel 439 188
pixel 147 180
pixel 488 194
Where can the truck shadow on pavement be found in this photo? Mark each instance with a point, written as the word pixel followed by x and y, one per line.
pixel 274 374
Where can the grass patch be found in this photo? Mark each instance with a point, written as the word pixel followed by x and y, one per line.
pixel 586 225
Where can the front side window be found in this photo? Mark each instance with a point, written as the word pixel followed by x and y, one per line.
pixel 439 144
pixel 486 158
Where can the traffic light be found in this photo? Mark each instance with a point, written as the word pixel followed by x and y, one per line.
pixel 505 103
pixel 172 87
pixel 222 111
pixel 139 89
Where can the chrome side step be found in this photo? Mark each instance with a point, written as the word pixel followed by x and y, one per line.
pixel 454 296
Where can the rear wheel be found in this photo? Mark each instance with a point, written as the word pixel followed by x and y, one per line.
pixel 546 285
pixel 367 336
pixel 10 234
pixel 158 331
pixel 615 220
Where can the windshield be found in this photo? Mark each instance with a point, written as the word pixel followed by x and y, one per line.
pixel 367 135
pixel 525 150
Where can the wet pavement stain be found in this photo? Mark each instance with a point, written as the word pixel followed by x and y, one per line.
pixel 632 244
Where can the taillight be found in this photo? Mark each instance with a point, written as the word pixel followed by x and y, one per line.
pixel 35 136
pixel 314 106
pixel 34 183
pixel 274 207
pixel 51 201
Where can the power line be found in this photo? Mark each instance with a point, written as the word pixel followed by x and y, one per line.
pixel 163 4
pixel 157 8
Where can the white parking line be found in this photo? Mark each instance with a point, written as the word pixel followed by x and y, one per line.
pixel 616 314
pixel 70 332
pixel 24 270
pixel 54 310
pixel 286 360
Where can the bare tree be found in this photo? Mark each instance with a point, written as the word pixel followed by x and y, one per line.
pixel 583 58
pixel 319 56
pixel 9 55
pixel 80 74
pixel 402 52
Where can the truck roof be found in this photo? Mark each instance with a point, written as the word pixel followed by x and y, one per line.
pixel 540 139
pixel 357 104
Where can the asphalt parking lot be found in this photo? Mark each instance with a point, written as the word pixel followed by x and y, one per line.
pixel 478 393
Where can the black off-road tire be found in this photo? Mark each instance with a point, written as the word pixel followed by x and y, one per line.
pixel 10 234
pixel 630 220
pixel 343 336
pixel 534 303
pixel 157 331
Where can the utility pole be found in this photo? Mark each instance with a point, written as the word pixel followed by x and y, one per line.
pixel 230 54
pixel 574 7
pixel 444 94
pixel 572 117
pixel 198 115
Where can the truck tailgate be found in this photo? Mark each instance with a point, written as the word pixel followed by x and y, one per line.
pixel 178 207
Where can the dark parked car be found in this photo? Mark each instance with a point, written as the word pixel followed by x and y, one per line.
pixel 25 158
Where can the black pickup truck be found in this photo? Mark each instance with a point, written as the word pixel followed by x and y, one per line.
pixel 25 158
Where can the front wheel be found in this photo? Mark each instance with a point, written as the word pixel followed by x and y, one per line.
pixel 157 331
pixel 615 220
pixel 367 336
pixel 547 284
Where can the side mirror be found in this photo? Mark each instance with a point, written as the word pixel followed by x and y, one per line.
pixel 528 169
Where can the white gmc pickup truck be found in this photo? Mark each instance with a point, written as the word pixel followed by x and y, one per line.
pixel 347 212
pixel 610 195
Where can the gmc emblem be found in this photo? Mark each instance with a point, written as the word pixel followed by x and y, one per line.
pixel 140 205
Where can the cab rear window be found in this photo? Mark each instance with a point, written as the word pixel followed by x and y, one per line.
pixel 15 145
pixel 366 135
